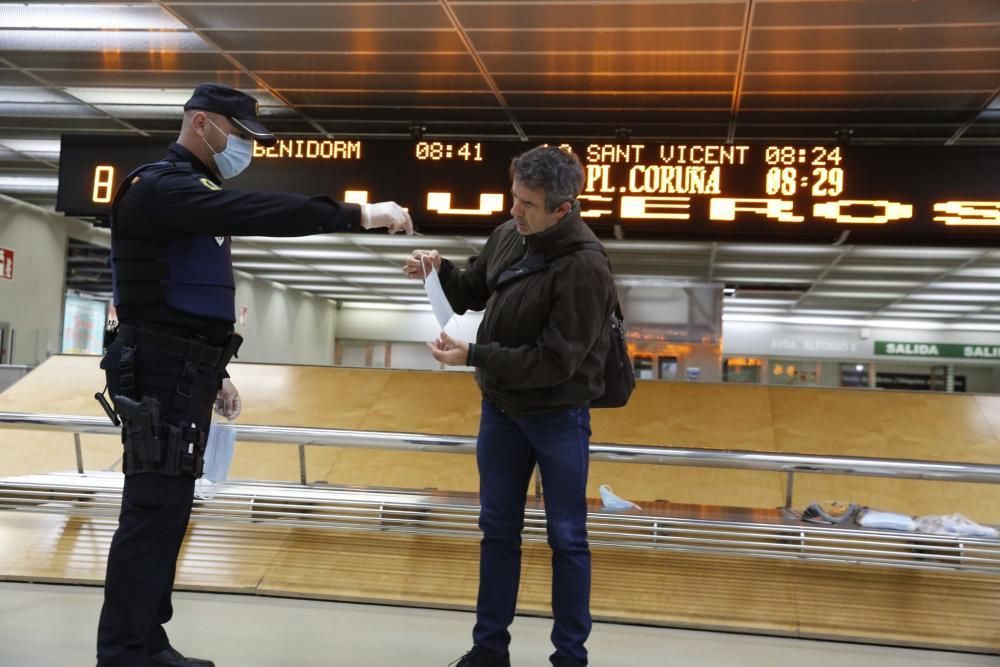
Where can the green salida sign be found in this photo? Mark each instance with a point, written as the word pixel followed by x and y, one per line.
pixel 936 350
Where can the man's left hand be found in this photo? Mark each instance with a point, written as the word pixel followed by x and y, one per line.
pixel 449 351
pixel 228 403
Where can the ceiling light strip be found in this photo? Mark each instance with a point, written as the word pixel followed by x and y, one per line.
pixel 374 254
pixel 446 6
pixel 737 98
pixel 366 285
pixel 830 267
pixel 960 132
pixel 850 322
pixel 48 84
pixel 30 156
pixel 940 276
pixel 240 66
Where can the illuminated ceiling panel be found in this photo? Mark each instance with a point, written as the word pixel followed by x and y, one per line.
pixel 82 16
pixel 892 71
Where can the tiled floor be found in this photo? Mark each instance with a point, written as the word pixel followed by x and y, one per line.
pixel 54 626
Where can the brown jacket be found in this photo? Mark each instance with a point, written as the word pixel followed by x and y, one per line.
pixel 544 338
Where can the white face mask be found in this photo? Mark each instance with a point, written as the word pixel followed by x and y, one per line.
pixel 235 157
pixel 435 294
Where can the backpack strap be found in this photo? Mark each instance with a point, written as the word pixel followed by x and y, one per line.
pixel 574 247
pixel 593 247
pixel 541 261
pixel 525 267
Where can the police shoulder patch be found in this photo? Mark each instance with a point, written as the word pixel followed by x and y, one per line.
pixel 209 184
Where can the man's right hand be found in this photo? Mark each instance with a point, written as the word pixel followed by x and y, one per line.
pixel 420 262
pixel 386 214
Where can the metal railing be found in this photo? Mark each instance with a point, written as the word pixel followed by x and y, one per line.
pixel 678 456
pixel 718 531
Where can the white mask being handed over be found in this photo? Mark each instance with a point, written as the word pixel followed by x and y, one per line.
pixel 235 157
pixel 435 294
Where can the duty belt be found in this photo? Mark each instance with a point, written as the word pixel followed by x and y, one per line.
pixel 189 349
pixel 152 443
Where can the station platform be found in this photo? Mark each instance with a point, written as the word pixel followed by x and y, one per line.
pixel 55 625
pixel 719 551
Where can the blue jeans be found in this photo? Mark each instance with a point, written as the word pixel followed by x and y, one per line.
pixel 507 450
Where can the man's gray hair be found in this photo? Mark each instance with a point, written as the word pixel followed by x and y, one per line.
pixel 554 170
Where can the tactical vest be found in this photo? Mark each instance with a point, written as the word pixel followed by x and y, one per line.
pixel 193 275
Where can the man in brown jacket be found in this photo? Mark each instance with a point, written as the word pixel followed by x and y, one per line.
pixel 539 357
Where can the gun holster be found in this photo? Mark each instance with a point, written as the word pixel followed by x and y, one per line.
pixel 153 446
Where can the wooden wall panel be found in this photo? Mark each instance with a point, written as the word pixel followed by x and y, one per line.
pixel 821 421
pixel 24 452
pixel 316 396
pixel 447 472
pixel 62 384
pixel 61 549
pixel 906 606
pixel 679 414
pixel 271 462
pixel 20 535
pixel 990 407
pixel 100 452
pixel 908 425
pixel 675 589
pixel 411 569
pixel 228 556
pixel 425 402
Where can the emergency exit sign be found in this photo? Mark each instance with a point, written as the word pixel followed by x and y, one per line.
pixel 6 264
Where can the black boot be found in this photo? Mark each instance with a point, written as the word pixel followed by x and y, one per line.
pixel 482 657
pixel 171 658
pixel 564 661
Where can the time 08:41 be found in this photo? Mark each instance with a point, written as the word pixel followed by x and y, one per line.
pixel 439 150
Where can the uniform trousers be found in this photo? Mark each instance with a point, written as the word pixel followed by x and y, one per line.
pixel 154 515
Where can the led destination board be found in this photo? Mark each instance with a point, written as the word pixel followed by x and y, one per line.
pixel 885 194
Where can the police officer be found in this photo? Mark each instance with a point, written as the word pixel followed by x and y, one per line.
pixel 171 225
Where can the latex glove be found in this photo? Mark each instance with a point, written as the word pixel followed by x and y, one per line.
pixel 227 402
pixel 449 351
pixel 420 262
pixel 386 214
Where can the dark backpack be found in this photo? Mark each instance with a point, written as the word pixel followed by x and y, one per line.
pixel 619 377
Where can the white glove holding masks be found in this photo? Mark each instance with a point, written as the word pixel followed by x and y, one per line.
pixel 387 214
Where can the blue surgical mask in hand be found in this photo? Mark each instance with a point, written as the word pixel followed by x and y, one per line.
pixel 235 157
pixel 613 503
pixel 218 459
pixel 435 294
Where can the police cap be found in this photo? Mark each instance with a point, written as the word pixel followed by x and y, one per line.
pixel 241 109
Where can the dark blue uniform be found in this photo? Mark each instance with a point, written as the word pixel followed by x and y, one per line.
pixel 179 204
pixel 175 296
